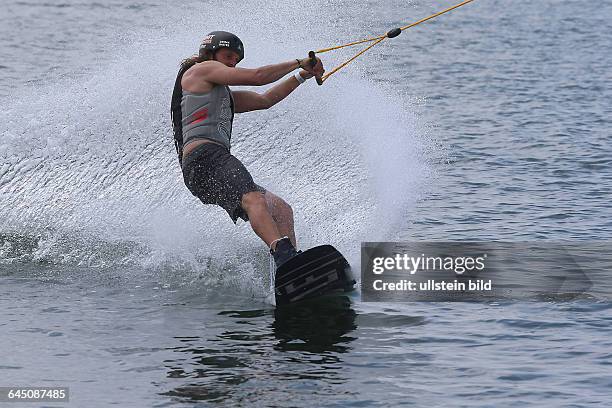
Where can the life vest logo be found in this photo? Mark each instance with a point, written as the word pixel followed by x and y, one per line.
pixel 200 116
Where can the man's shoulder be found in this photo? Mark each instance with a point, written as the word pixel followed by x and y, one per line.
pixel 200 71
pixel 204 66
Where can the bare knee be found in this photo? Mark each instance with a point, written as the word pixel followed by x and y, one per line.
pixel 254 201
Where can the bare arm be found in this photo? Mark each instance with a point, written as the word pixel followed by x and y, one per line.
pixel 246 101
pixel 218 73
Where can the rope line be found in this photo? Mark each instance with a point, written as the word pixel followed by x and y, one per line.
pixel 377 40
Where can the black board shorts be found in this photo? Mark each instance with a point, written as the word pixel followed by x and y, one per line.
pixel 215 176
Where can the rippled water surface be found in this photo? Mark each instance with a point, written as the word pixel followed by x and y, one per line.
pixel 490 123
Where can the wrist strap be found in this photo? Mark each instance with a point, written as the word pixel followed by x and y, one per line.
pixel 299 78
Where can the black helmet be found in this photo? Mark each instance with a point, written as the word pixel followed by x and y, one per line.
pixel 220 39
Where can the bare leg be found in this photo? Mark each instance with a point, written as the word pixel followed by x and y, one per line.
pixel 254 204
pixel 283 216
pixel 270 216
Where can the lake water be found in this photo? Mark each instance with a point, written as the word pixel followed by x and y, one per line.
pixel 490 123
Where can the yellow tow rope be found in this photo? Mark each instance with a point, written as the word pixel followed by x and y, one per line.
pixel 391 34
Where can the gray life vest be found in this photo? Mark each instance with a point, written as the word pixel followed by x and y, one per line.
pixel 208 115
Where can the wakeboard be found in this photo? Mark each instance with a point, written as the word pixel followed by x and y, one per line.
pixel 319 271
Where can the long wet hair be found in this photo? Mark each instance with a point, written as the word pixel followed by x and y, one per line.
pixel 194 59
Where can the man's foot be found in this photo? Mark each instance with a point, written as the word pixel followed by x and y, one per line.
pixel 283 252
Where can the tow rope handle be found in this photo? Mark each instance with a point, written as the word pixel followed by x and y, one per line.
pixel 313 62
